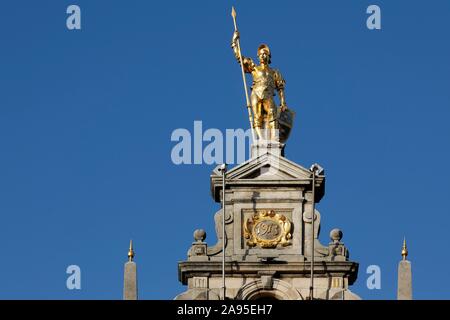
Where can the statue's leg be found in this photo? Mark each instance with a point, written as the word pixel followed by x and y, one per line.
pixel 257 115
pixel 271 124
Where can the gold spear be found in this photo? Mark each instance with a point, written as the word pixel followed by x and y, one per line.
pixel 250 116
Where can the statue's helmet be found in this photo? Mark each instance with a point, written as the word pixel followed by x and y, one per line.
pixel 264 47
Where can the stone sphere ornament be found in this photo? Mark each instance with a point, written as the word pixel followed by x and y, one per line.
pixel 336 235
pixel 199 235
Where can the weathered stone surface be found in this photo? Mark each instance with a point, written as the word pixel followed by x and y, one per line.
pixel 273 147
pixel 404 291
pixel 130 291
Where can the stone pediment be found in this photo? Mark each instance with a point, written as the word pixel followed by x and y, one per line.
pixel 266 170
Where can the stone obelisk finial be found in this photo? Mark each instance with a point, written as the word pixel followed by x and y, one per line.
pixel 404 249
pixel 131 251
pixel 130 277
pixel 404 291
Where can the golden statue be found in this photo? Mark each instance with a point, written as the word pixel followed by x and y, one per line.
pixel 269 122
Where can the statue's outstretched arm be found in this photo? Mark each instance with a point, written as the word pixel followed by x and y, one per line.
pixel 249 65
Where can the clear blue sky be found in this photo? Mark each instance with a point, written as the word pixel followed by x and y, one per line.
pixel 86 118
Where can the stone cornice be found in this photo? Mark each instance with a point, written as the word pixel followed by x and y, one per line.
pixel 189 269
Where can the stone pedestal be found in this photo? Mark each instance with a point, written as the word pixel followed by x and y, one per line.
pixel 266 146
pixel 268 227
pixel 404 290
pixel 130 281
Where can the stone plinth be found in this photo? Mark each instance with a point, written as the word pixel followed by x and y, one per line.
pixel 130 281
pixel 404 291
pixel 266 146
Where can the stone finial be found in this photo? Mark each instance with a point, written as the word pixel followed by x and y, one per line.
pixel 130 291
pixel 131 251
pixel 199 235
pixel 198 251
pixel 404 249
pixel 336 249
pixel 336 235
pixel 404 289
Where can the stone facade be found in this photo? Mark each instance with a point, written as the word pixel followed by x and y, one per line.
pixel 268 227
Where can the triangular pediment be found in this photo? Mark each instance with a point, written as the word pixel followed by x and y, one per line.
pixel 267 167
pixel 265 170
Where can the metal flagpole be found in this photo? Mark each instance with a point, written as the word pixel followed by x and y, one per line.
pixel 223 169
pixel 311 288
pixel 250 117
